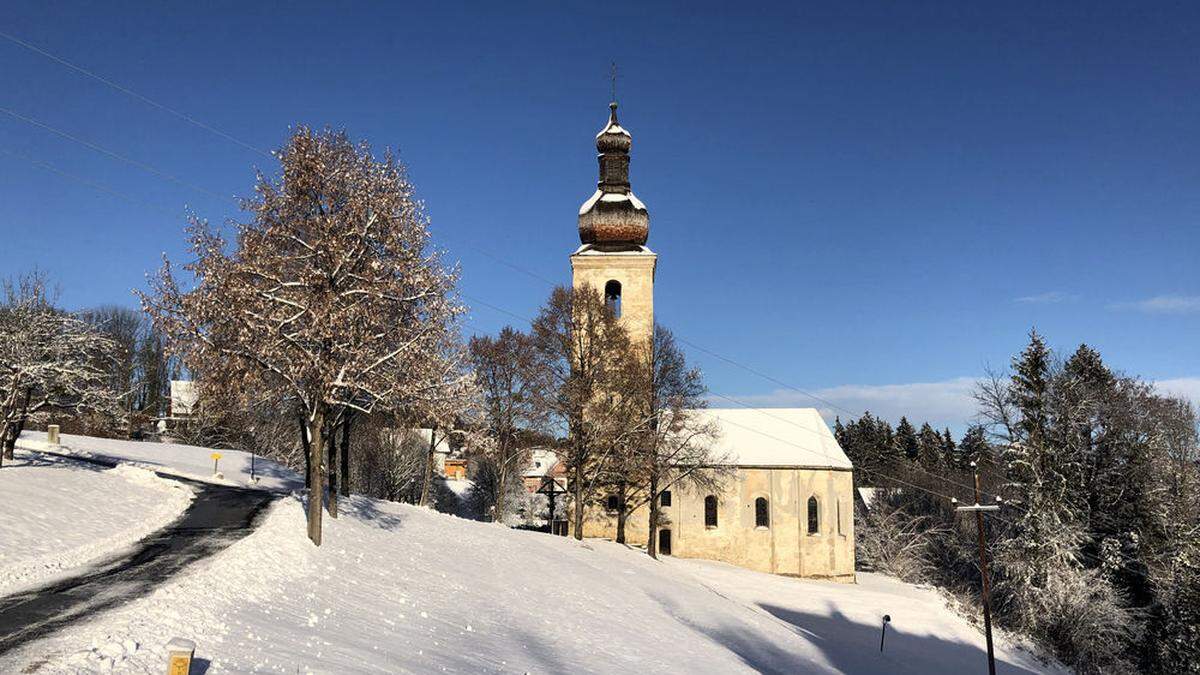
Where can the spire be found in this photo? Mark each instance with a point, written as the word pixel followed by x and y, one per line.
pixel 614 217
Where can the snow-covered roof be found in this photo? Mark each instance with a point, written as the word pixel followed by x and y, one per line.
pixel 541 461
pixel 591 249
pixel 184 396
pixel 443 443
pixel 868 495
pixel 611 197
pixel 775 437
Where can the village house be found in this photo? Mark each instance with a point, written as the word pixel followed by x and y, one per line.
pixel 787 505
pixel 543 465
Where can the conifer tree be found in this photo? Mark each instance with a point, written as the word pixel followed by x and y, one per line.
pixel 929 449
pixel 906 440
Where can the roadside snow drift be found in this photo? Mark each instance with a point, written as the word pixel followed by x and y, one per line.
pixel 60 514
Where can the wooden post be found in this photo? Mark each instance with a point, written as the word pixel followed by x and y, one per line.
pixel 983 569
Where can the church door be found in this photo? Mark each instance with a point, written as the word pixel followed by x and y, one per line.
pixel 664 542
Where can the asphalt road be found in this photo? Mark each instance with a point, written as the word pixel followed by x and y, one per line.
pixel 217 517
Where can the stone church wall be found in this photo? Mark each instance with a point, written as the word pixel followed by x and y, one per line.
pixel 783 547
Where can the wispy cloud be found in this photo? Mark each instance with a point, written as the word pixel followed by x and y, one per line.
pixel 1047 298
pixel 1182 387
pixel 946 403
pixel 1163 304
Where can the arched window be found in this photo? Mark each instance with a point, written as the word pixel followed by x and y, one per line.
pixel 710 511
pixel 664 499
pixel 762 512
pixel 613 503
pixel 612 297
pixel 814 518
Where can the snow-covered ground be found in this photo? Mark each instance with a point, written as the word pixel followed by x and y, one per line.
pixel 398 588
pixel 189 461
pixel 60 514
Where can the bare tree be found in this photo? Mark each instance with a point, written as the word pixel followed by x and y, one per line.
pixel 49 360
pixel 331 293
pixel 676 446
pixel 580 349
pixel 505 370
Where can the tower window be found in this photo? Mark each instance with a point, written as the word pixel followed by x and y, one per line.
pixel 612 503
pixel 664 499
pixel 710 511
pixel 762 512
pixel 612 297
pixel 814 518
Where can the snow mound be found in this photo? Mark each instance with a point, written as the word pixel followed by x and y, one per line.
pixel 65 514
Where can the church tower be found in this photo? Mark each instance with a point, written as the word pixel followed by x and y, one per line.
pixel 613 228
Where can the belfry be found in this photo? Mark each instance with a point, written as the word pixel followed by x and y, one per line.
pixel 613 228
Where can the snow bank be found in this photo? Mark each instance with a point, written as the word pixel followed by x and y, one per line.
pixel 398 588
pixel 62 514
pixel 188 461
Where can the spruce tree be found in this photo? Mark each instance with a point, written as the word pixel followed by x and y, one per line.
pixel 906 440
pixel 949 449
pixel 929 449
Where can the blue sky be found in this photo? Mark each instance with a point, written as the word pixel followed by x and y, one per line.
pixel 870 202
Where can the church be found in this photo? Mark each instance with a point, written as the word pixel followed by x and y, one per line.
pixel 787 506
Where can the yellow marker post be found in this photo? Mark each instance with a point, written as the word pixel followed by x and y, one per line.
pixel 179 656
pixel 216 457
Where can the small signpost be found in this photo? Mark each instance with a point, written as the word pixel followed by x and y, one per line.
pixel 179 656
pixel 216 457
pixel 887 618
pixel 979 510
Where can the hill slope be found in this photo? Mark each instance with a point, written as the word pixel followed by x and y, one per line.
pixel 397 588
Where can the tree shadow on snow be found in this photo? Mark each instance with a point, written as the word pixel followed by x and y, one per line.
pixel 853 647
pixel 755 650
pixel 848 646
pixel 35 460
pixel 367 510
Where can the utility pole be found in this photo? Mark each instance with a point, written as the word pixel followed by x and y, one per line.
pixel 983 569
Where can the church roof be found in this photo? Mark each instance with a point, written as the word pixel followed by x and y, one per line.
pixel 775 437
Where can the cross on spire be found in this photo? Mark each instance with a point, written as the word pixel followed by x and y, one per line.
pixel 613 77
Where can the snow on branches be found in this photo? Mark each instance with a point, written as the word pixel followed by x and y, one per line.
pixel 330 294
pixel 49 360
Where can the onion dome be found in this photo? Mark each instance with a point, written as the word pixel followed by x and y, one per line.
pixel 613 217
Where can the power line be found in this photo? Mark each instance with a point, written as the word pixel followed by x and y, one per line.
pixel 105 151
pixel 125 90
pixel 85 181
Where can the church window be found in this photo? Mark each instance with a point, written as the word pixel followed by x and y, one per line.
pixel 613 503
pixel 762 512
pixel 839 519
pixel 664 499
pixel 612 297
pixel 710 511
pixel 814 518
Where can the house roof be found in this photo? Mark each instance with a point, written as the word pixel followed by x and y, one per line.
pixel 541 462
pixel 443 443
pixel 775 437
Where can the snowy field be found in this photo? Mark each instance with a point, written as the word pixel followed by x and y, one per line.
pixel 398 588
pixel 61 515
pixel 188 461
